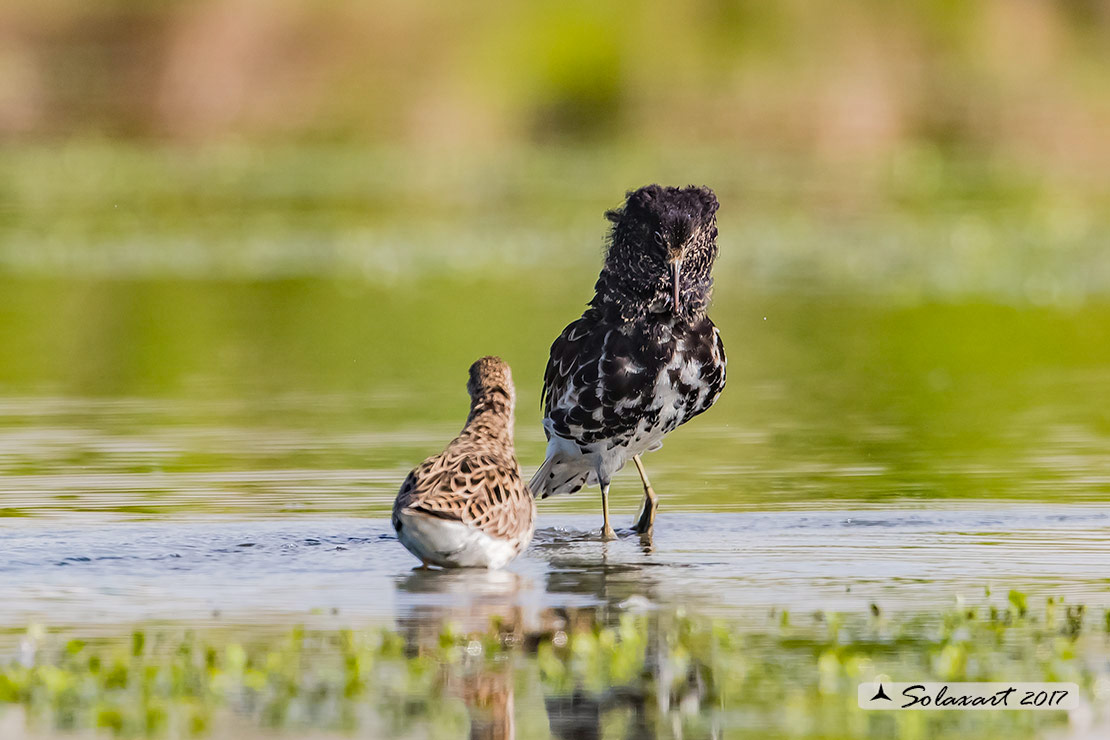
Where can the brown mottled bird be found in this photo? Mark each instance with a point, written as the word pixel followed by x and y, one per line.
pixel 468 506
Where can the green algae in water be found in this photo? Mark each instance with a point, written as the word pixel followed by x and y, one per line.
pixel 648 674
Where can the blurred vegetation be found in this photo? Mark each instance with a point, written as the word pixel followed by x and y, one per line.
pixel 303 221
pixel 917 225
pixel 643 675
pixel 911 149
pixel 1021 78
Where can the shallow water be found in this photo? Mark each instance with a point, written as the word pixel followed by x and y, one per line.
pixel 352 571
pixel 164 397
pixel 221 456
pixel 800 594
pixel 205 433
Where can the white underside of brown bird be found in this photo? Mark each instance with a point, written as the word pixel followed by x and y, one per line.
pixel 454 544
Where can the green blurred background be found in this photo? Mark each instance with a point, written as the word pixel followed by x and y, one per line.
pixel 248 249
pixel 313 216
pixel 843 81
pixel 916 147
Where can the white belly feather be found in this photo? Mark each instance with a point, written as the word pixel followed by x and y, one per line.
pixel 453 544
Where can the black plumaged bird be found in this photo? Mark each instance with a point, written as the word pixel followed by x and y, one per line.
pixel 644 358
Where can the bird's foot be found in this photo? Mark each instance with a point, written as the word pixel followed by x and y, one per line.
pixel 607 533
pixel 646 521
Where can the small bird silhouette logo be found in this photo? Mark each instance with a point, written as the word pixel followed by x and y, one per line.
pixel 880 694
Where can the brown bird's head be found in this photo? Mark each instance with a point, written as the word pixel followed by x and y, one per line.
pixel 492 398
pixel 661 252
pixel 490 377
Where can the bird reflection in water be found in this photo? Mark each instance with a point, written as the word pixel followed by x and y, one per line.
pixel 470 601
pixel 478 602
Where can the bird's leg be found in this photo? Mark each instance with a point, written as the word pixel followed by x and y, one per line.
pixel 646 520
pixel 607 532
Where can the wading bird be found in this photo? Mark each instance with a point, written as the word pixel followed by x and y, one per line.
pixel 644 358
pixel 468 506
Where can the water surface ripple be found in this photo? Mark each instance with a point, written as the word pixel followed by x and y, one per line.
pixel 353 570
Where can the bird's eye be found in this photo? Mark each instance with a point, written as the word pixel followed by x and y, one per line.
pixel 659 238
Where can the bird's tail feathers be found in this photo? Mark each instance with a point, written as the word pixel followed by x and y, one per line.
pixel 536 485
pixel 556 476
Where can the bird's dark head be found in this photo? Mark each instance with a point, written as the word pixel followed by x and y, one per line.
pixel 661 252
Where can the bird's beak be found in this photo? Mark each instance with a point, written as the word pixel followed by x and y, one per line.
pixel 676 278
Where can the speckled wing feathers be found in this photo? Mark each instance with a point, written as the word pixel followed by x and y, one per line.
pixel 470 485
pixel 601 380
pixel 613 389
pixel 594 377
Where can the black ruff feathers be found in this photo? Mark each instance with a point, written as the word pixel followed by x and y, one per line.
pixel 635 366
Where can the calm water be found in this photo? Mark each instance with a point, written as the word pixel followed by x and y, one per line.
pixel 241 578
pixel 222 454
pixel 352 571
pixel 193 428
pixel 166 397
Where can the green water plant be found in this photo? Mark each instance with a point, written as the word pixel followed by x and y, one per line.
pixel 658 670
